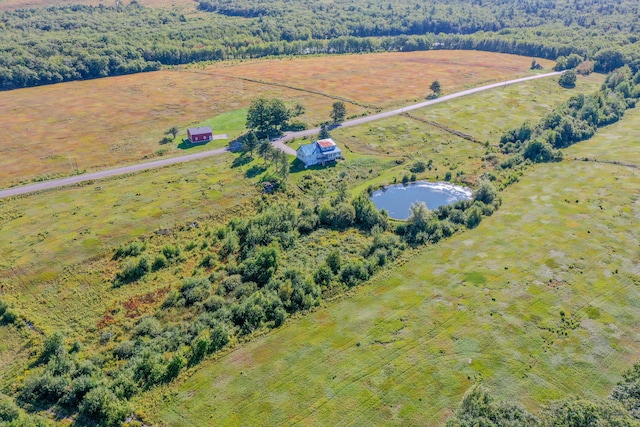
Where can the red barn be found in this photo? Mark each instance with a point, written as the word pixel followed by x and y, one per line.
pixel 201 134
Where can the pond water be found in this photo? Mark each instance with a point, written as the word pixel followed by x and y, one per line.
pixel 397 199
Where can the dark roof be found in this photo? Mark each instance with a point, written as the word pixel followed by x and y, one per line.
pixel 200 130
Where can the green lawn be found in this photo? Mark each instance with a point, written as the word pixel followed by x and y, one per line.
pixel 231 124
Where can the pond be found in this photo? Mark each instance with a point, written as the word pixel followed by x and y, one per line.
pixel 397 199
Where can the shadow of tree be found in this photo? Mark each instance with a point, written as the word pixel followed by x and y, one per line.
pixel 242 160
pixel 255 170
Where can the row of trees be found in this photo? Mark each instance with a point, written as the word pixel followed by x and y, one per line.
pixel 267 118
pixel 50 45
pixel 576 120
pixel 621 409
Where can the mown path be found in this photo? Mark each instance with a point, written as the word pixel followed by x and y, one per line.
pixel 279 143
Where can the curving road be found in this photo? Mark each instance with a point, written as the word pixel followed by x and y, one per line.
pixel 278 143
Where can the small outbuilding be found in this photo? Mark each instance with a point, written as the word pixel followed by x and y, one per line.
pixel 319 152
pixel 200 134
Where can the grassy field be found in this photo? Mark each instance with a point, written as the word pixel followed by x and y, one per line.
pixel 101 123
pixel 55 243
pixel 557 319
pixel 404 347
pixel 486 115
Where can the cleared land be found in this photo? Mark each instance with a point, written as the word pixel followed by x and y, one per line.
pixel 399 350
pixel 106 122
pixel 47 236
pixel 406 346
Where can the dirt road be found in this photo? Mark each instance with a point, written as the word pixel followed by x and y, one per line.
pixel 278 143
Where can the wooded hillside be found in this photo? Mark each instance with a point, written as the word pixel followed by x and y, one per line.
pixel 51 45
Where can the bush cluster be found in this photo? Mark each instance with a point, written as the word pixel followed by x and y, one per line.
pixel 576 120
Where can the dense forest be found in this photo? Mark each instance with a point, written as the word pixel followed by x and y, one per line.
pixel 55 44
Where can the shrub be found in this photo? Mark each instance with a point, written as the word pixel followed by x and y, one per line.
pixel 479 408
pixel 132 249
pixel 219 337
pixel 340 217
pixel 353 272
pixel 323 276
pixel 125 350
pixel 77 390
pixel 486 192
pixel 53 344
pixel 3 307
pixel 199 348
pixel 230 245
pixel 308 221
pixel 132 271
pixel 102 406
pixel 540 151
pixel 195 290
pixel 229 284
pixel 418 167
pixel 334 261
pixel 44 388
pixel 214 303
pixel 148 326
pixel 474 216
pixel 208 261
pixel 171 252
pixel 295 126
pixel 147 369
pixel 262 266
pixel 173 368
pixel 159 262
pixel 172 299
pixel 123 385
pixel 367 215
pixel 8 409
pixel 9 317
pixel 568 79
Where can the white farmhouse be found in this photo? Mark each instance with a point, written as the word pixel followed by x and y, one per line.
pixel 318 152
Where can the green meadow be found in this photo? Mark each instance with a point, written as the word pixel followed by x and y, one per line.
pixel 538 302
pixel 54 242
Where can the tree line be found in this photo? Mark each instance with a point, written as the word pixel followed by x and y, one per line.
pixel 479 407
pixel 576 120
pixel 55 44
